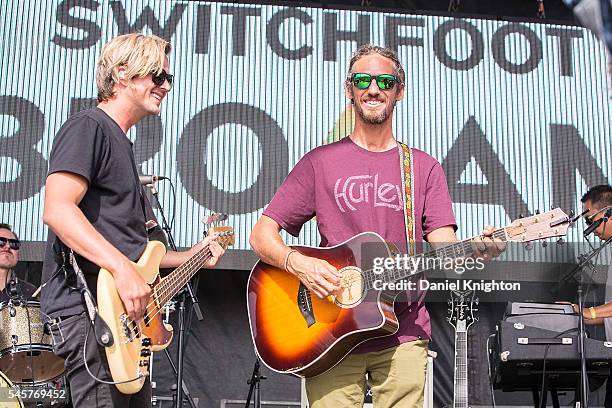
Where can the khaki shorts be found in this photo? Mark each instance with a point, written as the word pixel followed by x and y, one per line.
pixel 396 374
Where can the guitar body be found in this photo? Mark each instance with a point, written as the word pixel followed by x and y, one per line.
pixel 296 333
pixel 288 341
pixel 125 356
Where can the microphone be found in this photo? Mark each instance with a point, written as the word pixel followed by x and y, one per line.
pixel 577 217
pixel 145 179
pixel 14 289
pixel 592 227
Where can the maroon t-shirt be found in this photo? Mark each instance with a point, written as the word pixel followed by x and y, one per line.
pixel 353 190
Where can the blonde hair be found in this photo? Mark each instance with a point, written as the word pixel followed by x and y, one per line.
pixel 369 49
pixel 137 53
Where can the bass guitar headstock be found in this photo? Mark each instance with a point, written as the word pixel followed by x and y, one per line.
pixel 215 225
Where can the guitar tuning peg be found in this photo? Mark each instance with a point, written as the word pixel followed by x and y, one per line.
pixel 560 241
pixel 528 246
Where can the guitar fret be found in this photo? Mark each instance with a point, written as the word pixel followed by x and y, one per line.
pixel 171 284
pixel 453 251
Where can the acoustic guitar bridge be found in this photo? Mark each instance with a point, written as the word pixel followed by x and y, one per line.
pixel 305 304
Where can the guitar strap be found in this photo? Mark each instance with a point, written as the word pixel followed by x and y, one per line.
pixel 66 259
pixel 406 165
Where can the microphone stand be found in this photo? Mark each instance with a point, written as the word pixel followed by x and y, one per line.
pixel 254 389
pixel 181 386
pixel 584 260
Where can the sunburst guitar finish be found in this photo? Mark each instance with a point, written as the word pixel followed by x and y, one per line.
pixel 296 333
pixel 300 334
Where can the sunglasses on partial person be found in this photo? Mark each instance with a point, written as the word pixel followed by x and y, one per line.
pixel 159 79
pixel 13 243
pixel 384 81
pixel 589 220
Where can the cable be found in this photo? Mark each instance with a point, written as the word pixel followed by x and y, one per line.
pixel 542 394
pixel 89 371
pixel 173 204
pixel 489 369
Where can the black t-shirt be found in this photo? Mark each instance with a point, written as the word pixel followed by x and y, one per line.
pixel 92 145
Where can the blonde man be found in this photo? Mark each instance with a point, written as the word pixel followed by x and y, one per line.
pixel 94 206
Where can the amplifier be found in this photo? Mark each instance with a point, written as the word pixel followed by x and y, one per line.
pixel 550 316
pixel 518 352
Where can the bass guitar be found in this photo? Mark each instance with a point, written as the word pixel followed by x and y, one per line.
pixel 296 333
pixel 133 342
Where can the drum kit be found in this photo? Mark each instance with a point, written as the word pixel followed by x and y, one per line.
pixel 30 374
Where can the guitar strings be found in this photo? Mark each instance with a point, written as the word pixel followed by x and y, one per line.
pixel 166 285
pixel 465 245
pixel 169 283
pixel 153 303
pixel 167 288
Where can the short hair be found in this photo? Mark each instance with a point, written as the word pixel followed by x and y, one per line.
pixel 369 49
pixel 8 227
pixel 600 196
pixel 138 53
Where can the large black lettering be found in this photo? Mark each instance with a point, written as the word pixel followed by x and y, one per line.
pixel 566 56
pixel 21 147
pixel 498 49
pixel 333 35
pixel 392 38
pixel 203 30
pixel 273 31
pixel 192 153
pixel 92 32
pixel 149 131
pixel 147 18
pixel 500 190
pixel 240 15
pixel 475 39
pixel 568 154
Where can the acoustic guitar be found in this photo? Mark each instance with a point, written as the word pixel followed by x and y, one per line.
pixel 297 333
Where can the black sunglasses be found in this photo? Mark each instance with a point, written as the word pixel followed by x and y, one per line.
pixel 589 220
pixel 384 81
pixel 158 79
pixel 13 243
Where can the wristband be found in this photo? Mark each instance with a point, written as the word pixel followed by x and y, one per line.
pixel 287 259
pixel 593 313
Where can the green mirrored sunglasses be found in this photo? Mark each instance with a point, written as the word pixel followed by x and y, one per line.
pixel 384 81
